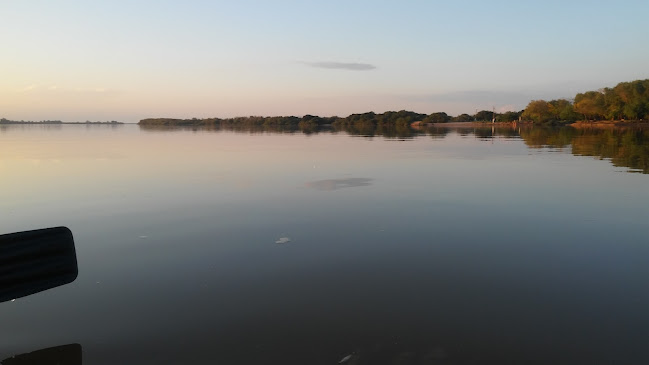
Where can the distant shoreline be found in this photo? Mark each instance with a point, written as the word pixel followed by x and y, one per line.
pixel 610 124
pixel 14 122
pixel 578 124
pixel 468 124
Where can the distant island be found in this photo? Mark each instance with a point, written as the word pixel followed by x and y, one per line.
pixel 7 121
pixel 627 102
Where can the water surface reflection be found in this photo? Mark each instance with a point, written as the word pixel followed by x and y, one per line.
pixel 334 184
pixel 624 146
pixel 205 246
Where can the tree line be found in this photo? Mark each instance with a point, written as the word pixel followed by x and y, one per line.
pixel 626 101
pixel 392 118
pixel 7 121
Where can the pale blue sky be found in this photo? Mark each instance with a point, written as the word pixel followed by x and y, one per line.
pixel 126 60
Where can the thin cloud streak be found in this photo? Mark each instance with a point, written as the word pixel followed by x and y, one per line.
pixel 57 90
pixel 28 88
pixel 473 95
pixel 352 66
pixel 469 100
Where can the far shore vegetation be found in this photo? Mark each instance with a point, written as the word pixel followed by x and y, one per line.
pixel 7 121
pixel 626 102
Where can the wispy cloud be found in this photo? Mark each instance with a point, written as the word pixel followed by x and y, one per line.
pixel 481 99
pixel 57 90
pixel 474 95
pixel 28 88
pixel 351 66
pixel 507 108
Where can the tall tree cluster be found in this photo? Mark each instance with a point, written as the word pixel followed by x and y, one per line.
pixel 625 101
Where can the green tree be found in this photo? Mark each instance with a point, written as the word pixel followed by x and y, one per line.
pixel 462 118
pixel 538 111
pixel 484 115
pixel 591 105
pixel 439 117
pixel 562 110
pixel 508 116
pixel 613 104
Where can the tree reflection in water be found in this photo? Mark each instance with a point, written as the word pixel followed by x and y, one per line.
pixel 624 146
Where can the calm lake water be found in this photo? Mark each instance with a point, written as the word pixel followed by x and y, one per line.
pixel 466 246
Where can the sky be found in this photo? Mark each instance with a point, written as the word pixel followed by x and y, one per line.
pixel 127 60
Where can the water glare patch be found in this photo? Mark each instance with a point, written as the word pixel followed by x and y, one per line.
pixel 335 184
pixel 282 240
